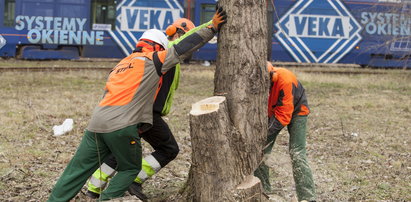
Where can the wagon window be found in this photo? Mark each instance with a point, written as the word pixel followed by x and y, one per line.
pixel 103 14
pixel 9 8
pixel 207 12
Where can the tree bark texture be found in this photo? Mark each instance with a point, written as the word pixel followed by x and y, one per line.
pixel 227 143
pixel 241 75
pixel 214 165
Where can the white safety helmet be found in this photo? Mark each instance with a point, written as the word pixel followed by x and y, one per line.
pixel 156 36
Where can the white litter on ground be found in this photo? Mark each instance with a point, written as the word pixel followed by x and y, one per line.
pixel 206 63
pixel 67 126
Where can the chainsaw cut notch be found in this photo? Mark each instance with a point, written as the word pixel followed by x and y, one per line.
pixel 207 105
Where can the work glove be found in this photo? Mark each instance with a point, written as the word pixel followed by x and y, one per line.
pixel 219 18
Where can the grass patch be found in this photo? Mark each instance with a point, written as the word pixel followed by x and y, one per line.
pixel 11 62
pixel 371 165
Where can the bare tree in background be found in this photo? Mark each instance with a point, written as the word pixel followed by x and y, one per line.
pixel 229 130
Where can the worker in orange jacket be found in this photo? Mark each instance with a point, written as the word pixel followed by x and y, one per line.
pixel 288 106
pixel 126 111
pixel 159 136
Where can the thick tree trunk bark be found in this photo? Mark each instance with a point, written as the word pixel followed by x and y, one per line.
pixel 228 131
pixel 241 75
pixel 214 173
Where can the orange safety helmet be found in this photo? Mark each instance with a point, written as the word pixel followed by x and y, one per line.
pixel 271 70
pixel 270 67
pixel 183 24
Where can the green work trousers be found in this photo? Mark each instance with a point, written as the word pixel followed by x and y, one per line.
pixel 124 144
pixel 301 170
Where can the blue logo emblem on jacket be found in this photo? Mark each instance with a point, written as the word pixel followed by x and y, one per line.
pixel 318 31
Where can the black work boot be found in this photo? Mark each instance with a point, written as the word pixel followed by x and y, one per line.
pixel 92 195
pixel 136 190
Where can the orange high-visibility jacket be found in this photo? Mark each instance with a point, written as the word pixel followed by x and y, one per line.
pixel 287 96
pixel 133 84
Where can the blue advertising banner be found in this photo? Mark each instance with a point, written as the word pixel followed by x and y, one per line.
pixel 325 26
pixel 134 17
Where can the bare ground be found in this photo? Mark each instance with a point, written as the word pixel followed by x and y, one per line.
pixel 358 136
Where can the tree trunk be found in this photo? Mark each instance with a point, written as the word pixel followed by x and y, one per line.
pixel 228 131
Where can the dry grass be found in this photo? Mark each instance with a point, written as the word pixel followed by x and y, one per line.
pixel 103 62
pixel 358 144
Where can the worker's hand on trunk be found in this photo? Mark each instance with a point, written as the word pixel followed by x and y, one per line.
pixel 219 18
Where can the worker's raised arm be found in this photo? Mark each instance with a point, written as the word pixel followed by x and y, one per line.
pixel 184 48
pixel 170 57
pixel 190 32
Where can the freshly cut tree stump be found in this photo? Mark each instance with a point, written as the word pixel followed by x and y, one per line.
pixel 216 170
